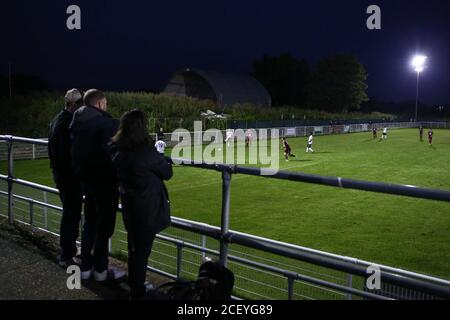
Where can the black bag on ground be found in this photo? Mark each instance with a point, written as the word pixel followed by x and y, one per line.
pixel 214 282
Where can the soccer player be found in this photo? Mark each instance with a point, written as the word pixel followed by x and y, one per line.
pixel 430 137
pixel 421 133
pixel 385 130
pixel 310 143
pixel 287 149
pixel 374 132
pixel 160 146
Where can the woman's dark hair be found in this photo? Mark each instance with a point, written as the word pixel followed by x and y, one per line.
pixel 133 131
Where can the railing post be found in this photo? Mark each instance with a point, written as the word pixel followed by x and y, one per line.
pixel 203 247
pixel 290 288
pixel 225 220
pixel 45 211
pixel 10 180
pixel 179 259
pixel 350 285
pixel 31 203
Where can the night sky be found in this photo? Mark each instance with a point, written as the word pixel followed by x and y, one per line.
pixel 129 45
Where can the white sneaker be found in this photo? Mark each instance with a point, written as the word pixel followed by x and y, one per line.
pixel 85 275
pixel 112 273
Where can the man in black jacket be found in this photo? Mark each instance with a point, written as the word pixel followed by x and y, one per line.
pixel 91 130
pixel 68 186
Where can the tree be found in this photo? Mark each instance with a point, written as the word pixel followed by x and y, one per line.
pixel 284 77
pixel 338 84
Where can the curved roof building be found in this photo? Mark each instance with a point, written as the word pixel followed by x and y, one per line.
pixel 225 89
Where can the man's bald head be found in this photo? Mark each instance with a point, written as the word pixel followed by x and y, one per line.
pixel 95 98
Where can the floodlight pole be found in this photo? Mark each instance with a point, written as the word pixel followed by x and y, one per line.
pixel 417 95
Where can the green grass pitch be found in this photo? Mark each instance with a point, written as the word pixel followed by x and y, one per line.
pixel 399 231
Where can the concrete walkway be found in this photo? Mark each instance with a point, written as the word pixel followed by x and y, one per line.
pixel 29 269
pixel 26 274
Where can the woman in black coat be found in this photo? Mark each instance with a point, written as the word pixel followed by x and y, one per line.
pixel 145 203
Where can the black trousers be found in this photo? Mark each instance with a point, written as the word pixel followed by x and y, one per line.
pixel 72 200
pixel 100 209
pixel 140 243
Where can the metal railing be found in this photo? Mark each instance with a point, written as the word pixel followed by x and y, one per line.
pixel 354 271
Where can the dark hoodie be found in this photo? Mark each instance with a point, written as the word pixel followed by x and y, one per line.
pixel 91 130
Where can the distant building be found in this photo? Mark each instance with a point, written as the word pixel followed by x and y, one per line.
pixel 222 88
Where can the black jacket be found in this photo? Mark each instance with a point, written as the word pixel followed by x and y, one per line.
pixel 91 130
pixel 59 149
pixel 145 201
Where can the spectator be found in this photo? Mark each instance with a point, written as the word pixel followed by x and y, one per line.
pixel 141 171
pixel 91 130
pixel 68 186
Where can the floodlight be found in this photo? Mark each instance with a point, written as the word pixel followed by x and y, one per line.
pixel 418 62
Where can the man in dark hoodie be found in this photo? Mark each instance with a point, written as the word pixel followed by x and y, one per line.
pixel 68 186
pixel 91 131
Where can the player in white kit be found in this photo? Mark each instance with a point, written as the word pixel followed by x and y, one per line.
pixel 160 146
pixel 385 132
pixel 310 143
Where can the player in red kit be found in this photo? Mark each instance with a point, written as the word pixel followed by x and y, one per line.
pixel 430 137
pixel 421 133
pixel 374 132
pixel 287 149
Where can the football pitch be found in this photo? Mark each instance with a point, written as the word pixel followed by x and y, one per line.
pixel 403 232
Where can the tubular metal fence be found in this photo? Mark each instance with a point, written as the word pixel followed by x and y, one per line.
pixel 264 268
